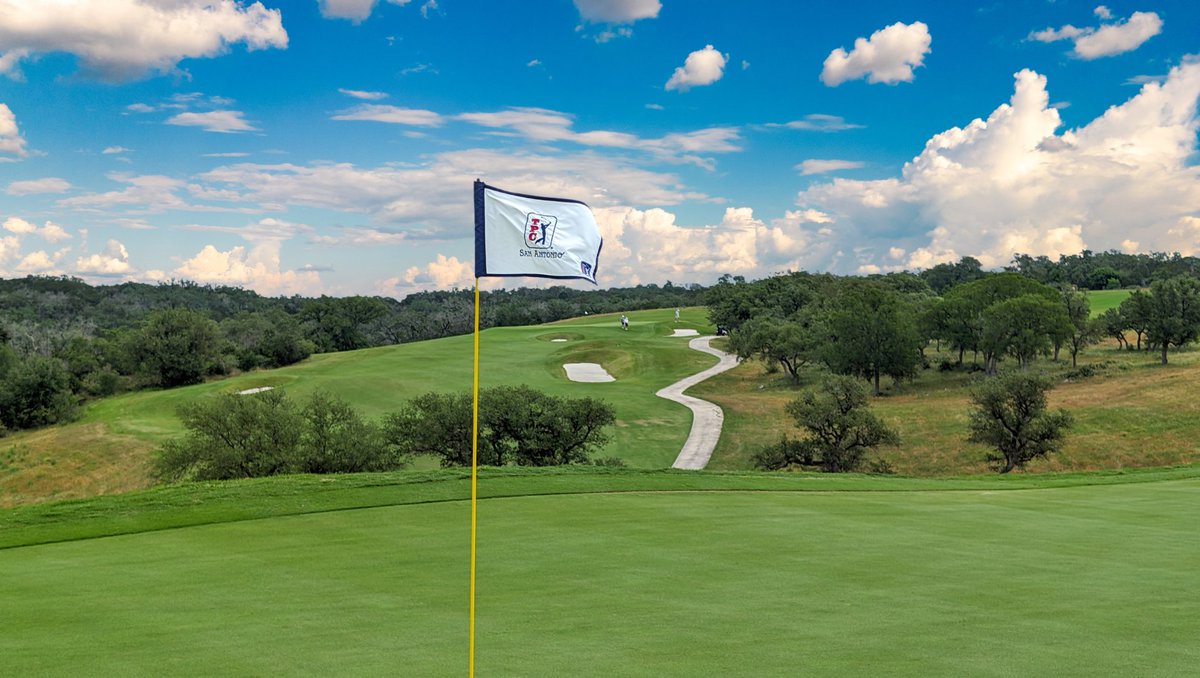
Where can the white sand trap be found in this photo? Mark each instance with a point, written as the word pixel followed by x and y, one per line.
pixel 557 340
pixel 686 333
pixel 252 391
pixel 589 372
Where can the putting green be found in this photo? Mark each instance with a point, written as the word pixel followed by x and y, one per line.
pixel 1086 581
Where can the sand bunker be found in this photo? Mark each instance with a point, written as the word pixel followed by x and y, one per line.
pixel 557 340
pixel 252 391
pixel 589 372
pixel 686 333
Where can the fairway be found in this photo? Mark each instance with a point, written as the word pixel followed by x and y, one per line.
pixel 1070 581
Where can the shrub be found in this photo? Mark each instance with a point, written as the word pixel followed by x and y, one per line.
pixel 36 392
pixel 517 425
pixel 247 436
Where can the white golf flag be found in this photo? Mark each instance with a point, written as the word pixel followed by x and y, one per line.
pixel 519 234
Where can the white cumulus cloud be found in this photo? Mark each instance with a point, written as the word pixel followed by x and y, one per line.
pixel 1013 183
pixel 11 140
pixel 257 269
pixel 124 39
pixel 888 56
pixel 113 261
pixel 702 67
pixel 1108 39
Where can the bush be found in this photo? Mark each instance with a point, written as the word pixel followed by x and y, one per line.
pixel 36 392
pixel 840 426
pixel 248 436
pixel 784 454
pixel 517 425
pixel 336 439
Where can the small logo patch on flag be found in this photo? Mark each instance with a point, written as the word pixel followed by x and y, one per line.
pixel 585 268
pixel 539 230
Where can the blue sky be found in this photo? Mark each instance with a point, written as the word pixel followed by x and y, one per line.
pixel 328 146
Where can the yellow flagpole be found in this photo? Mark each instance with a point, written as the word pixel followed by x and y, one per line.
pixel 474 449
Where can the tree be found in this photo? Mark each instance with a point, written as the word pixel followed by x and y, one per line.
pixel 873 333
pixel 234 436
pixel 176 346
pixel 1022 327
pixel 1010 415
pixel 1083 331
pixel 339 324
pixel 1112 324
pixel 517 425
pixel 34 392
pixel 1135 310
pixel 536 429
pixel 1173 313
pixel 791 343
pixel 942 277
pixel 336 439
pixel 841 429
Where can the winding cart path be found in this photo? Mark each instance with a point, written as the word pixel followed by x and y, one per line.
pixel 707 417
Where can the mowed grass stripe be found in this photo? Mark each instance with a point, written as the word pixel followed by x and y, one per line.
pixel 1078 581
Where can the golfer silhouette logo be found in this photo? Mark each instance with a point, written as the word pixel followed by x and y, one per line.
pixel 539 230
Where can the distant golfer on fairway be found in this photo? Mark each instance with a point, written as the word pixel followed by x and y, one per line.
pixel 676 315
pixel 624 322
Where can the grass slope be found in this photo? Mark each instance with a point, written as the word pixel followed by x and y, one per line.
pixel 108 449
pixel 1070 581
pixel 1134 413
pixel 1100 301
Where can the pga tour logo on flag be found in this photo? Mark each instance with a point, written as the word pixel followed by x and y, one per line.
pixel 528 235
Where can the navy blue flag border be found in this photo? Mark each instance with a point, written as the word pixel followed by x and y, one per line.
pixel 481 236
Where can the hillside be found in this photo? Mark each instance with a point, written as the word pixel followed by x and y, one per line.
pixel 107 450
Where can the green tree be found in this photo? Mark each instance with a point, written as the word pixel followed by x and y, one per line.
pixel 1083 332
pixel 34 392
pixel 437 425
pixel 1010 415
pixel 517 425
pixel 1112 324
pixel 791 343
pixel 1173 313
pixel 336 439
pixel 1136 312
pixel 1022 327
pixel 234 436
pixel 873 333
pixel 841 429
pixel 942 277
pixel 176 346
pixel 340 324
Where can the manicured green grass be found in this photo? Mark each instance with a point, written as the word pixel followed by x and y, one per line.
pixel 649 433
pixel 1078 580
pixel 1100 301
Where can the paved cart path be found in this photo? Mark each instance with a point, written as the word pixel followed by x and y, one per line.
pixel 707 417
